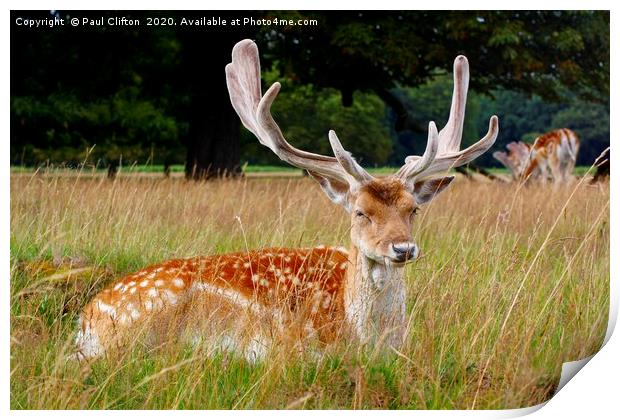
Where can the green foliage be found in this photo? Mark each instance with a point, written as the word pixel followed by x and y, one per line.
pixel 431 102
pixel 123 124
pixel 145 95
pixel 306 114
pixel 591 123
pixel 531 51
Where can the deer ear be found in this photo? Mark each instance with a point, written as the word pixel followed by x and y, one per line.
pixel 424 191
pixel 336 191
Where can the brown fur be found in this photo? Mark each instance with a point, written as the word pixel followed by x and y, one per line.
pixel 286 280
pixel 388 191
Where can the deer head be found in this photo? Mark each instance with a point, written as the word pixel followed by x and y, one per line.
pixel 382 209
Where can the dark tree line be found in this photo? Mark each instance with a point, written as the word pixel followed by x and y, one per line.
pixel 136 90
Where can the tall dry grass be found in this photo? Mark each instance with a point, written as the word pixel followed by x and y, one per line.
pixel 511 283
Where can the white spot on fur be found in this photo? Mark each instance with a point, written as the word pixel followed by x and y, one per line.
pixel 118 286
pixel 341 249
pixel 159 283
pixel 132 290
pixel 87 342
pixel 255 278
pixel 106 309
pixel 131 284
pixel 178 282
pixel 235 298
pixel 134 314
pixel 152 292
pixel 256 350
pixel 226 343
pixel 144 283
pixel 148 305
pixel 309 329
pixel 170 296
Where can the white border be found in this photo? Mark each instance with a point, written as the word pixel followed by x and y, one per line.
pixel 592 394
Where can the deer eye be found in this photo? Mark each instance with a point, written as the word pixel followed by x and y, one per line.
pixel 359 213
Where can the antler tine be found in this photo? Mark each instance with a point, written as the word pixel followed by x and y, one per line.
pixel 346 159
pixel 450 136
pixel 417 165
pixel 244 87
pixel 452 160
pixel 505 160
pixel 448 151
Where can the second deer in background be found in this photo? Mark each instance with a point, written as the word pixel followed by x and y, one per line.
pixel 551 157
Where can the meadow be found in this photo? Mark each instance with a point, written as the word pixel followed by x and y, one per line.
pixel 513 281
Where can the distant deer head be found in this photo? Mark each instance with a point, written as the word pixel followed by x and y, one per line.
pixel 381 209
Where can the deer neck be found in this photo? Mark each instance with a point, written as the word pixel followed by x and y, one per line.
pixel 374 300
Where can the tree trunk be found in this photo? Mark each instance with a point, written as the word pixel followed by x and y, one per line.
pixel 214 127
pixel 213 138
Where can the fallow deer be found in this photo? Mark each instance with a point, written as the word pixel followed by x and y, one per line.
pixel 242 302
pixel 552 156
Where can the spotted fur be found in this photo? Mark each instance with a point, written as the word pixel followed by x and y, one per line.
pixel 284 281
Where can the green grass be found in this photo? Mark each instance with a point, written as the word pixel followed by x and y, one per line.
pixel 512 282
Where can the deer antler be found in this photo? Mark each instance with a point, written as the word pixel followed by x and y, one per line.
pixel 443 150
pixel 244 86
pixel 517 158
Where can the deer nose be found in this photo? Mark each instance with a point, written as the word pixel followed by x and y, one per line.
pixel 404 251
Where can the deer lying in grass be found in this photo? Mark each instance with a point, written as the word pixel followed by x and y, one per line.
pixel 552 156
pixel 244 302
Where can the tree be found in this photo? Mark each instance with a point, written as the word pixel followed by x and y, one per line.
pixel 213 136
pixel 542 52
pixel 74 88
pixel 591 123
pixel 79 86
pixel 306 114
